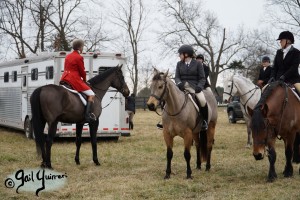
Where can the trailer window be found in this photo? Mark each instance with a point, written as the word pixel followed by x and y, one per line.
pixel 49 72
pixel 14 76
pixel 24 81
pixel 6 77
pixel 102 69
pixel 34 74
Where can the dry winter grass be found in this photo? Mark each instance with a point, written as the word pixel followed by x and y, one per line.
pixel 134 167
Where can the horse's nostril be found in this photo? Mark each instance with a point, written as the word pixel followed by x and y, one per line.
pixel 151 106
pixel 258 156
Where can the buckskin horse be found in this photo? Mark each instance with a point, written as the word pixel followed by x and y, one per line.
pixel 237 85
pixel 277 114
pixel 52 104
pixel 179 118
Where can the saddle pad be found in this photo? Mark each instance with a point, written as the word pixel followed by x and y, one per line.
pixel 76 92
pixel 195 104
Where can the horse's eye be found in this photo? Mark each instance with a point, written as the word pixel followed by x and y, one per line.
pixel 160 87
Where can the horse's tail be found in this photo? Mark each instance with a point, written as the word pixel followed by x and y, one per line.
pixel 296 156
pixel 203 145
pixel 38 120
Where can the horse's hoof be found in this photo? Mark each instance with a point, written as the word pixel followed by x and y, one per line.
pixel 271 179
pixel 167 176
pixel 77 161
pixel 43 165
pixel 97 162
pixel 287 173
pixel 189 177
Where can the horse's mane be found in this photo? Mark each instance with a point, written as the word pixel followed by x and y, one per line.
pixel 96 79
pixel 245 79
pixel 267 92
pixel 257 117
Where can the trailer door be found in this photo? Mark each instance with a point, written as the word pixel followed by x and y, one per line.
pixel 24 86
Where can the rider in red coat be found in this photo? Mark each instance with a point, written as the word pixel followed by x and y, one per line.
pixel 74 74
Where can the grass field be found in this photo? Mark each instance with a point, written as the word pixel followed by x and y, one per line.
pixel 134 167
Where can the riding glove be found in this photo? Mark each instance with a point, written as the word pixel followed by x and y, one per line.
pixel 180 86
pixel 198 89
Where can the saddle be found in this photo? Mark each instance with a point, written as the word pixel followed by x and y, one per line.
pixel 67 86
pixel 195 100
pixel 294 90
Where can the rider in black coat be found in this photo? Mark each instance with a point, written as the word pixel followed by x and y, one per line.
pixel 287 61
pixel 265 72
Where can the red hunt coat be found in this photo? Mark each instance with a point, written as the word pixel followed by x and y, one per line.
pixel 74 72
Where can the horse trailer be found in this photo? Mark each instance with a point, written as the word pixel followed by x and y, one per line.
pixel 19 78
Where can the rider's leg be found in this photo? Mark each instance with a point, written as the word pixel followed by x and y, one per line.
pixel 297 86
pixel 203 109
pixel 89 116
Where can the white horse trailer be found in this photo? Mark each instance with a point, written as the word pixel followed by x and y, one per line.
pixel 19 78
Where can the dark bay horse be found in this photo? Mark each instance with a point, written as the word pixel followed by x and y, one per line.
pixel 180 119
pixel 277 114
pixel 52 104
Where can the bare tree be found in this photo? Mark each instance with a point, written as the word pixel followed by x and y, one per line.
pixel 62 18
pixel 130 15
pixel 12 23
pixel 189 23
pixel 288 15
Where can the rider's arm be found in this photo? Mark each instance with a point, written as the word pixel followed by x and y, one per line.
pixel 294 65
pixel 81 69
pixel 201 76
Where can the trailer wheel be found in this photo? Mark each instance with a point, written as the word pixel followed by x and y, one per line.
pixel 28 128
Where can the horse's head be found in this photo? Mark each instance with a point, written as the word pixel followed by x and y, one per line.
pixel 119 82
pixel 260 131
pixel 230 89
pixel 158 89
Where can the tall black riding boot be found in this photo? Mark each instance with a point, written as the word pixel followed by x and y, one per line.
pixel 204 113
pixel 89 117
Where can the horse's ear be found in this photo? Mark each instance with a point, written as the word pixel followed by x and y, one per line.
pixel 166 74
pixel 156 71
pixel 120 66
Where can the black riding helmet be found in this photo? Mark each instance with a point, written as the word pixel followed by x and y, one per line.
pixel 200 56
pixel 286 35
pixel 265 59
pixel 186 49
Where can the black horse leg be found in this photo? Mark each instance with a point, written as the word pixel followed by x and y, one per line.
pixel 272 159
pixel 187 156
pixel 288 170
pixel 169 159
pixel 208 159
pixel 79 128
pixel 93 134
pixel 198 161
pixel 49 141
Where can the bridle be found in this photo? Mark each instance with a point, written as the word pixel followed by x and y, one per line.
pixel 160 101
pixel 244 105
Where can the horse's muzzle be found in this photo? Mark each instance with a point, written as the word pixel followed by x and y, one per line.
pixel 151 106
pixel 258 156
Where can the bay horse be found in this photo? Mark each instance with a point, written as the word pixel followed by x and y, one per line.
pixel 179 118
pixel 277 114
pixel 52 104
pixel 249 93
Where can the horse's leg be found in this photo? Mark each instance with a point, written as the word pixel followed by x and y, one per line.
pixel 169 143
pixel 79 127
pixel 40 140
pixel 272 159
pixel 249 143
pixel 49 141
pixel 210 142
pixel 188 140
pixel 198 158
pixel 288 170
pixel 93 134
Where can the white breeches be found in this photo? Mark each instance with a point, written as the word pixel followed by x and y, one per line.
pixel 89 92
pixel 200 96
